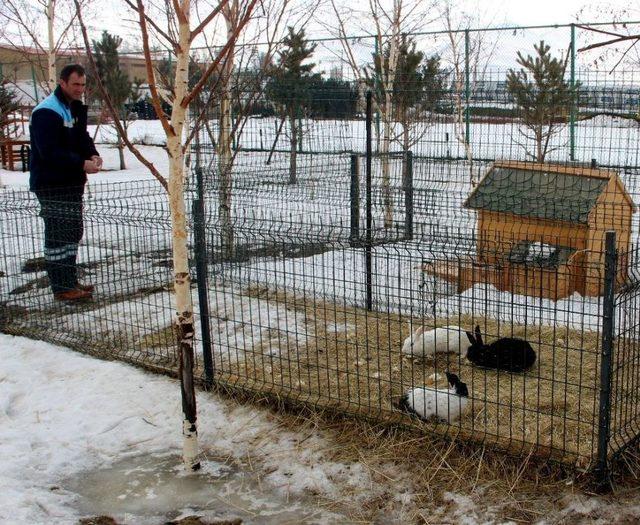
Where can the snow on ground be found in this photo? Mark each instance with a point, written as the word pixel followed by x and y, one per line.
pixel 64 416
pixel 81 437
pixel 50 428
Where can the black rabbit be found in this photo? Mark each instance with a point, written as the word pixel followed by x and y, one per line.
pixel 507 353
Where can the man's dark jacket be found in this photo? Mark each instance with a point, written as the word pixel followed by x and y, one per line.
pixel 59 144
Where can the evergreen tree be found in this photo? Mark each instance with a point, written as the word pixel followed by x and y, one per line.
pixel 8 104
pixel 114 80
pixel 289 86
pixel 418 85
pixel 543 97
pixel 333 98
pixel 418 80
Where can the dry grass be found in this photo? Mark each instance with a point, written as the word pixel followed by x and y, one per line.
pixel 428 471
pixel 352 362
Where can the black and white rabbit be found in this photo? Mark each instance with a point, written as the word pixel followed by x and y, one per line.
pixel 507 353
pixel 445 404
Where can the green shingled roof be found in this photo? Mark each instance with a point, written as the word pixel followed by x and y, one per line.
pixel 539 194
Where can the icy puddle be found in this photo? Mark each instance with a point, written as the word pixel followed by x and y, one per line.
pixel 153 490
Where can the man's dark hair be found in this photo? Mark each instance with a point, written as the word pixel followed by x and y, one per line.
pixel 69 69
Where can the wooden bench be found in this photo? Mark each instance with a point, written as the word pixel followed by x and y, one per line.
pixel 14 151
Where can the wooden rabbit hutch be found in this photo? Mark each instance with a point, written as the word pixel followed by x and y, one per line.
pixel 541 230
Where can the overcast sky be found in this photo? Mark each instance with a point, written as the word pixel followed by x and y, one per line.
pixel 487 13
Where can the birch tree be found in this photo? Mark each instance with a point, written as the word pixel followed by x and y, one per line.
pixel 467 58
pixel 41 29
pixel 238 88
pixel 418 86
pixel 389 20
pixel 179 35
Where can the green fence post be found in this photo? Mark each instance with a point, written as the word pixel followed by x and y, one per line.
pixel 376 83
pixel 601 470
pixel 35 84
pixel 572 110
pixel 467 88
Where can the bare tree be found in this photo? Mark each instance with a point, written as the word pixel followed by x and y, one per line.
pixel 390 21
pixel 25 23
pixel 609 47
pixel 179 35
pixel 239 86
pixel 467 57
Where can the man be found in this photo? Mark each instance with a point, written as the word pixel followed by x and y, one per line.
pixel 62 153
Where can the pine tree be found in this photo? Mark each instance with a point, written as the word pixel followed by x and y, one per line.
pixel 543 97
pixel 290 86
pixel 418 80
pixel 418 85
pixel 8 104
pixel 113 79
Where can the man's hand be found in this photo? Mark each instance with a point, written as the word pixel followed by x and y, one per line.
pixel 98 160
pixel 90 166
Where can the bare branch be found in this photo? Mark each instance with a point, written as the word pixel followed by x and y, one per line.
pixel 597 30
pixel 208 19
pixel 109 103
pixel 155 26
pixel 180 14
pixel 155 98
pixel 223 52
pixel 609 42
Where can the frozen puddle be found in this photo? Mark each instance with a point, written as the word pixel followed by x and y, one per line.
pixel 151 490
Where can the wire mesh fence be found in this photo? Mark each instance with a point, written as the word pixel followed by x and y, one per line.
pixel 305 310
pixel 425 267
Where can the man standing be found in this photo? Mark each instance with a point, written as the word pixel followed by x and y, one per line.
pixel 62 153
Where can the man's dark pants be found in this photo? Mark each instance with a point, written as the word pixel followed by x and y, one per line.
pixel 61 211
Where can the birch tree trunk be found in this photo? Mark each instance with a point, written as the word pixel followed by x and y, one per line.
pixel 405 147
pixel 120 146
pixel 51 51
pixel 387 202
pixel 230 13
pixel 184 306
pixel 293 144
pixel 224 172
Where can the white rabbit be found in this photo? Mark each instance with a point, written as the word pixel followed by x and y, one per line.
pixel 438 341
pixel 445 404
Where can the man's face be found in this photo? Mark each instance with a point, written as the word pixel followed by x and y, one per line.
pixel 74 88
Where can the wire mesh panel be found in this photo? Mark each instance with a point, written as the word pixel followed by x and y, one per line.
pixel 126 254
pixel 436 253
pixel 624 377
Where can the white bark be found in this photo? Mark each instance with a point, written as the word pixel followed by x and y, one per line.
pixel 51 51
pixel 225 157
pixel 178 138
pixel 182 279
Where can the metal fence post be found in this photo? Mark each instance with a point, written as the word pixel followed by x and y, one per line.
pixel 369 217
pixel 572 110
pixel 200 250
pixel 408 196
pixel 354 235
pixel 467 88
pixel 608 313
